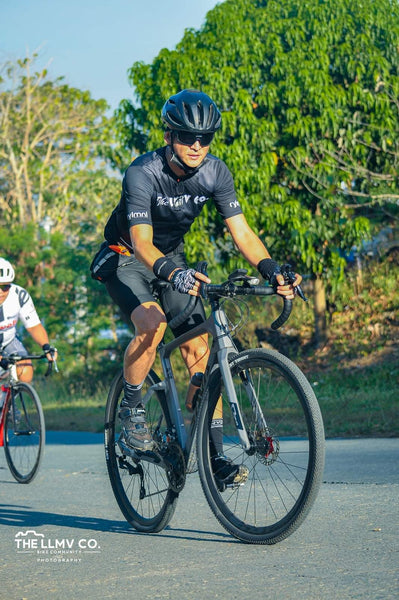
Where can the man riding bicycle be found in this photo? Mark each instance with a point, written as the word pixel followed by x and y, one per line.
pixel 16 304
pixel 163 191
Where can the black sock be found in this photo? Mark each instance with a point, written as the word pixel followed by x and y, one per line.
pixel 216 437
pixel 132 394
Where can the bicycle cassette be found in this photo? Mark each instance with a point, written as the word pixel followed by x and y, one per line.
pixel 175 466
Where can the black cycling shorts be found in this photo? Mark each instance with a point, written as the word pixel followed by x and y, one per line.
pixel 131 286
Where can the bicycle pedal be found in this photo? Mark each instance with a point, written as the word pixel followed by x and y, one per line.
pixel 126 450
pixel 237 484
pixel 137 454
pixel 239 480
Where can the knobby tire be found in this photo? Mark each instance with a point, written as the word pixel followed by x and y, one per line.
pixel 286 459
pixel 141 488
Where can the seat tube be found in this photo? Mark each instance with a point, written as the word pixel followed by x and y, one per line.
pixel 172 399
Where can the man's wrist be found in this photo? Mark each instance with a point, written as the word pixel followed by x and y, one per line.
pixel 268 267
pixel 46 348
pixel 164 268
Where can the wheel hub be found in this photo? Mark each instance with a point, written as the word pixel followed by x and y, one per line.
pixel 267 447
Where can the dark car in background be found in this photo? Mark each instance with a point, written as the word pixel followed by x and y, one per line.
pixel 385 243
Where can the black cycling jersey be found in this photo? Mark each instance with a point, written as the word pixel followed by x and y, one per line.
pixel 152 194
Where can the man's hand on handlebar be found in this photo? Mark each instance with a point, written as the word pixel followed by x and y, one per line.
pixel 51 353
pixel 189 281
pixel 287 289
pixel 200 278
pixel 284 281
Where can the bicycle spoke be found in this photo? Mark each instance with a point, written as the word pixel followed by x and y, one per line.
pixel 286 457
pixel 141 487
pixel 24 433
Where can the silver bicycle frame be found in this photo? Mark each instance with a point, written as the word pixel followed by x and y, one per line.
pixel 222 347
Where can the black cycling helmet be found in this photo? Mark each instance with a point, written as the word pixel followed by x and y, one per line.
pixel 191 110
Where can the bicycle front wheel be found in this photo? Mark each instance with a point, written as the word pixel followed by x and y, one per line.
pixel 24 433
pixel 141 487
pixel 284 464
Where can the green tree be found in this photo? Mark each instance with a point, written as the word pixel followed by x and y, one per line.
pixel 308 90
pixel 54 140
pixel 73 307
pixel 56 189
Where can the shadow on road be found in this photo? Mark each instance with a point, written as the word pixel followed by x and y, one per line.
pixel 23 517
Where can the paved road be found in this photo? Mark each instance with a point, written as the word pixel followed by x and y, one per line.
pixel 346 549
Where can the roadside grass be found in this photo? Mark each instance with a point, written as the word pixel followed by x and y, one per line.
pixel 359 401
pixel 354 400
pixel 355 376
pixel 64 411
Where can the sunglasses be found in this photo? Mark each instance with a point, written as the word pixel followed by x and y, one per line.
pixel 188 139
pixel 5 287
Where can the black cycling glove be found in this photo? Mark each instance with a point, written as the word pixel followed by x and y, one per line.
pixel 269 270
pixel 183 280
pixel 47 349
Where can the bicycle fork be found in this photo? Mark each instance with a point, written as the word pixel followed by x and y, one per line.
pixel 225 368
pixel 6 392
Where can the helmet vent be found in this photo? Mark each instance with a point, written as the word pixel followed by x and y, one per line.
pixel 191 110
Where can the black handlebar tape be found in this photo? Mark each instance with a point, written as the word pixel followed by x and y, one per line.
pixel 260 290
pixel 4 363
pixel 49 369
pixel 222 290
pixel 287 308
pixel 183 316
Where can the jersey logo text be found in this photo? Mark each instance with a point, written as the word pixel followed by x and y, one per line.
pixel 139 214
pixel 234 204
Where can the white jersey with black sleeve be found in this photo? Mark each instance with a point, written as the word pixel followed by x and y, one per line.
pixel 18 306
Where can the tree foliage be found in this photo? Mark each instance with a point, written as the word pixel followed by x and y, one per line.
pixel 56 188
pixel 308 90
pixel 53 140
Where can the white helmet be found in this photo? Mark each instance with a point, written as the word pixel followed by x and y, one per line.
pixel 7 273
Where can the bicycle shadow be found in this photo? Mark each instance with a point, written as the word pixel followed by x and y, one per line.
pixel 22 517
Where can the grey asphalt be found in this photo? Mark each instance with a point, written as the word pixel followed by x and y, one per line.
pixel 346 549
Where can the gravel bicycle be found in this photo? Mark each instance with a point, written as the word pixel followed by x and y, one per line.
pixel 271 420
pixel 22 427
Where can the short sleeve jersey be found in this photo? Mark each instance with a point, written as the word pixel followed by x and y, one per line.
pixel 152 194
pixel 18 306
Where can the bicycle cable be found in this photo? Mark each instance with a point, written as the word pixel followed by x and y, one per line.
pixel 243 313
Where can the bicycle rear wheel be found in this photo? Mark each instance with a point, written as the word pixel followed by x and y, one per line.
pixel 286 459
pixel 24 433
pixel 141 487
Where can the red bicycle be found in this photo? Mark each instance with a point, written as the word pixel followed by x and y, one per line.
pixel 22 426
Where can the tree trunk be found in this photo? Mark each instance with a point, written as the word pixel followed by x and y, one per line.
pixel 320 312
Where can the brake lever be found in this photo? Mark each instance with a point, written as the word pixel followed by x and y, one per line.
pixel 289 276
pixel 202 267
pixel 4 363
pixel 52 364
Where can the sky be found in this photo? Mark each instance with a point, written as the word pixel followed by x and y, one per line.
pixel 92 43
